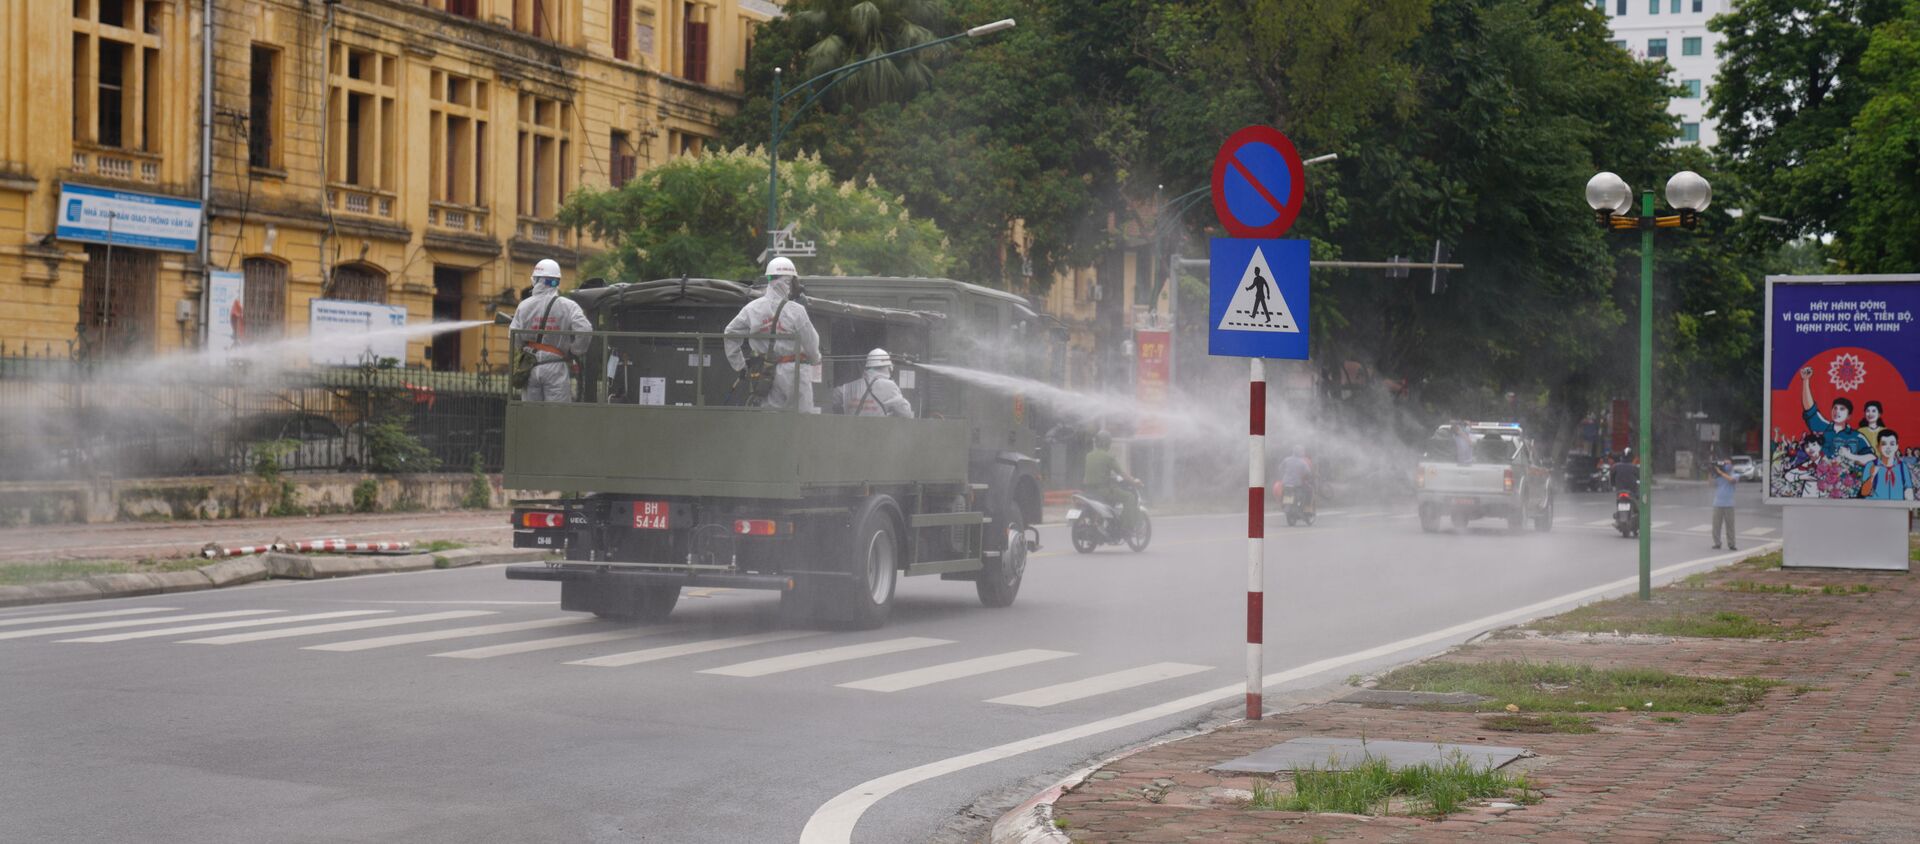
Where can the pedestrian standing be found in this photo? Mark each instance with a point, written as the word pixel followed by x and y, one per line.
pixel 1723 486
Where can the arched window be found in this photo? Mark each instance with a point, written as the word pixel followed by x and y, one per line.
pixel 359 283
pixel 263 305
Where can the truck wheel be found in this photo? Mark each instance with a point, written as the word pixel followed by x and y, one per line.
pixel 1000 581
pixel 1544 522
pixel 1429 518
pixel 868 596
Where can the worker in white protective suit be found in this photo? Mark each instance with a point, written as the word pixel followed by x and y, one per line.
pixel 547 310
pixel 773 371
pixel 874 393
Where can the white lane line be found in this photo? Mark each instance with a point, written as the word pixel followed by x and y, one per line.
pixel 834 821
pixel 455 633
pixel 473 603
pixel 76 616
pixel 223 625
pixel 548 644
pixel 1403 515
pixel 1706 528
pixel 1760 531
pixel 1100 684
pixel 1599 523
pixel 810 659
pixel 954 670
pixel 691 648
pixel 1659 525
pixel 132 622
pixel 316 629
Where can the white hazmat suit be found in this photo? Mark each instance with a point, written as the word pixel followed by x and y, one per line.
pixel 873 394
pixel 787 354
pixel 547 310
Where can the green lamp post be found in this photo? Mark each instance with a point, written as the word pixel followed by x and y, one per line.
pixel 826 81
pixel 1610 198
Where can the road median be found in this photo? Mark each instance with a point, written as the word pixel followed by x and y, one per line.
pixel 170 576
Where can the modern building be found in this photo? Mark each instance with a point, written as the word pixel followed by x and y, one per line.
pixel 1674 30
pixel 410 154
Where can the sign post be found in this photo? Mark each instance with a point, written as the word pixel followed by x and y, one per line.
pixel 1257 309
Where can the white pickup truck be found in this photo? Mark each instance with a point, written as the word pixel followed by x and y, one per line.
pixel 1495 472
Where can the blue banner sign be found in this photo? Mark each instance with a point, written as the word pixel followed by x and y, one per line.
pixel 122 218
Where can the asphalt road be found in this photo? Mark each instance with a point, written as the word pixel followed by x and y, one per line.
pixel 718 726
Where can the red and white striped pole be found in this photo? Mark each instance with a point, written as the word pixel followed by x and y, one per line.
pixel 1256 528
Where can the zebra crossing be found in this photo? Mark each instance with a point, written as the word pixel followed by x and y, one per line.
pixel 761 654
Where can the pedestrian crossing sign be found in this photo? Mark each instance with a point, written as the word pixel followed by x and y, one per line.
pixel 1258 298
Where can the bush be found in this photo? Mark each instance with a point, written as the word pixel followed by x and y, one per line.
pixel 391 450
pixel 479 490
pixel 366 496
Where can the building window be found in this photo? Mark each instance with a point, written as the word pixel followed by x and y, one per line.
pixel 116 301
pixel 1699 5
pixel 1690 132
pixel 1620 8
pixel 623 163
pixel 622 29
pixel 457 138
pixel 262 117
pixel 358 283
pixel 1693 89
pixel 362 118
pixel 1653 7
pixel 1621 44
pixel 684 143
pixel 116 53
pixel 543 155
pixel 464 8
pixel 694 38
pixel 1674 7
pixel 540 18
pixel 1656 48
pixel 1690 46
pixel 263 302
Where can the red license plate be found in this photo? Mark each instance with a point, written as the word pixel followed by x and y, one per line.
pixel 1463 501
pixel 650 515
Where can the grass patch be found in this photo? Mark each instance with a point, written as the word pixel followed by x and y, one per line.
pixel 1767 588
pixel 21 574
pixel 1558 687
pixel 1547 722
pixel 1667 719
pixel 1372 788
pixel 1630 615
pixel 437 546
pixel 1763 562
pixel 1846 589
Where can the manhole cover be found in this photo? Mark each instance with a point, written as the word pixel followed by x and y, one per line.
pixel 1383 697
pixel 1340 754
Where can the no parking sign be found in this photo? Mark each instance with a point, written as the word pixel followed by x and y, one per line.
pixel 1258 183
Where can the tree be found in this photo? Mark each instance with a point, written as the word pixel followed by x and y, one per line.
pixel 839 32
pixel 703 216
pixel 1883 167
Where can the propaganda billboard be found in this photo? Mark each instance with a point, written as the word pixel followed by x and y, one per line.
pixel 1843 390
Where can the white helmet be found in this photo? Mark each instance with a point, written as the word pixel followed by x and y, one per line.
pixel 547 272
pixel 879 359
pixel 780 266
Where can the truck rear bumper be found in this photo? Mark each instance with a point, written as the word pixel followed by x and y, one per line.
pixel 565 572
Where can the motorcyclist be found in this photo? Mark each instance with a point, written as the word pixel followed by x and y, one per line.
pixel 1296 475
pixel 1626 474
pixel 547 310
pixel 874 393
pixel 1107 481
pixel 777 311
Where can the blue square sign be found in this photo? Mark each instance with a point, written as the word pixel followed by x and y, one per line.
pixel 1257 305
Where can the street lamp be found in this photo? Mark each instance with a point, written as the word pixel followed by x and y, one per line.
pixel 1610 198
pixel 827 81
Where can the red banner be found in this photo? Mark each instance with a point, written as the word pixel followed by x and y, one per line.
pixel 1152 379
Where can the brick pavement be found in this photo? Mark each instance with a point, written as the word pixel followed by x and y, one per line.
pixel 1831 755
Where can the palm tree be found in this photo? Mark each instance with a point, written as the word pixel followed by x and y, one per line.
pixel 844 31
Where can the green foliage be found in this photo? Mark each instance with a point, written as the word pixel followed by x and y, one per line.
pixel 1369 787
pixel 479 488
pixel 1541 722
pixel 839 32
pixel 267 457
pixel 1560 687
pixel 366 496
pixel 391 450
pixel 705 216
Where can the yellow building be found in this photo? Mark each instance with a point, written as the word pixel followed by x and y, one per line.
pixel 405 152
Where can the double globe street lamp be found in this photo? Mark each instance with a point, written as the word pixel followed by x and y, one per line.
pixel 1611 199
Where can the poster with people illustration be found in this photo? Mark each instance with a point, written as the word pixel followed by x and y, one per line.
pixel 1842 411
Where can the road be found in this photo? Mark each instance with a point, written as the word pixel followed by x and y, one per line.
pixel 456 706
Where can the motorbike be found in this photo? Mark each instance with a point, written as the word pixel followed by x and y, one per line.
pixel 1626 515
pixel 1096 523
pixel 1297 503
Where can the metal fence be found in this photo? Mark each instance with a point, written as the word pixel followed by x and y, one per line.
pixel 62 419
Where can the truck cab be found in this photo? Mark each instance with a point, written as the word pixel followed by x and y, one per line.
pixel 1477 470
pixel 669 479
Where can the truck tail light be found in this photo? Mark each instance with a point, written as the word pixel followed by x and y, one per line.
pixel 543 519
pixel 1419 479
pixel 1509 480
pixel 756 527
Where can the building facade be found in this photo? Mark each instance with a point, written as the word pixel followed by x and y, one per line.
pixel 408 153
pixel 1674 30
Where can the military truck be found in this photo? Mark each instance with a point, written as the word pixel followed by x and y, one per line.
pixel 675 481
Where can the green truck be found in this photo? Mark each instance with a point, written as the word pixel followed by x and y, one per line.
pixel 673 481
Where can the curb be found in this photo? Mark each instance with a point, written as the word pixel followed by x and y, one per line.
pixel 239 570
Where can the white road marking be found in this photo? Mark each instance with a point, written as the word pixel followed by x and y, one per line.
pixel 810 659
pixel 223 625
pixel 1599 523
pixel 1706 528
pixel 1760 531
pixel 1659 525
pixel 1100 684
pixel 474 603
pixel 834 821
pixel 512 648
pixel 76 616
pixel 439 635
pixel 132 622
pixel 691 648
pixel 954 670
pixel 316 629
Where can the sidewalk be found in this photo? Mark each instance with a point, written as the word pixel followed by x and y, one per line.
pixel 1831 752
